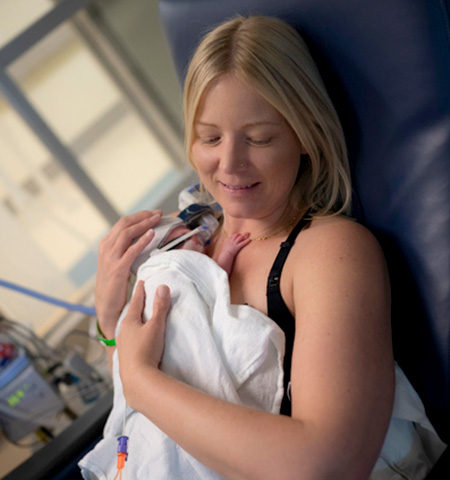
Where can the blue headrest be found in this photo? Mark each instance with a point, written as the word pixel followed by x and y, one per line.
pixel 386 65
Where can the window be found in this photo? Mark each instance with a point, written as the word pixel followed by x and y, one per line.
pixel 106 142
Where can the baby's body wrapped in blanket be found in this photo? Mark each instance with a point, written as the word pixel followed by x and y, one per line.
pixel 233 352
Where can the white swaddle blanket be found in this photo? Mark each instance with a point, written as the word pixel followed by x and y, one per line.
pixel 233 352
pixel 236 353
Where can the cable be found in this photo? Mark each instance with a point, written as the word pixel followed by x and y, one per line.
pixel 36 349
pixel 74 307
pixel 77 332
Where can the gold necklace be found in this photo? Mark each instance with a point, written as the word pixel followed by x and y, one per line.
pixel 270 235
pixel 265 237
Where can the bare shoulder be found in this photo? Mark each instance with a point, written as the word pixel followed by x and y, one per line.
pixel 340 229
pixel 339 255
pixel 338 238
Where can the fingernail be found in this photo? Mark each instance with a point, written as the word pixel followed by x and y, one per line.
pixel 163 291
pixel 150 233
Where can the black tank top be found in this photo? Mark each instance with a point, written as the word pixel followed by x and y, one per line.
pixel 278 311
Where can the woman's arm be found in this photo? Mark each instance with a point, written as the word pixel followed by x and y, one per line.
pixel 343 368
pixel 342 373
pixel 116 254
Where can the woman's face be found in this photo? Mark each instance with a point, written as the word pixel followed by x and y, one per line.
pixel 246 154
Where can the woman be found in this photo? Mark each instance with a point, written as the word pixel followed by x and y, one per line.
pixel 267 145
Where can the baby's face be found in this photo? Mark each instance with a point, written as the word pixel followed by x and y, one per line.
pixel 176 232
pixel 191 244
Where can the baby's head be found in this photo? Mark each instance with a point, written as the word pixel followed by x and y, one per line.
pixel 168 229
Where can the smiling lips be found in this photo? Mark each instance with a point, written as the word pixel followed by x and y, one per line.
pixel 238 187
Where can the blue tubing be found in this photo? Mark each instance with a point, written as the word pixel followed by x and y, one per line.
pixel 74 307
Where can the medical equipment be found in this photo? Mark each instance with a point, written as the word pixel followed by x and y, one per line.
pixel 122 455
pixel 197 194
pixel 202 221
pixel 41 389
pixel 199 209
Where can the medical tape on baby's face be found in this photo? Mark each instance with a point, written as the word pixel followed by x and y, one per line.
pixel 163 229
pixel 179 240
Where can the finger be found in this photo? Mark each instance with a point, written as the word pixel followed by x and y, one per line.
pixel 161 303
pixel 244 236
pixel 136 248
pixel 244 241
pixel 133 226
pixel 241 239
pixel 240 236
pixel 121 236
pixel 136 308
pixel 134 231
pixel 134 218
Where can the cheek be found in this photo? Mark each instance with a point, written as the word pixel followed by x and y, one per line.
pixel 284 177
pixel 201 158
pixel 285 167
pixel 204 165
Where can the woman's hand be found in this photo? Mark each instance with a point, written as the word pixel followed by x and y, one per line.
pixel 141 344
pixel 117 253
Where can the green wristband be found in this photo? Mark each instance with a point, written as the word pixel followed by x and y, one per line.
pixel 102 339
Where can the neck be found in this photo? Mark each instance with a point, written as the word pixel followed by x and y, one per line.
pixel 261 229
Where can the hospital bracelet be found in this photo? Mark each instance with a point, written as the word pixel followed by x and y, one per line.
pixel 101 338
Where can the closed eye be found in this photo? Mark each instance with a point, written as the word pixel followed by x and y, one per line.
pixel 210 140
pixel 260 142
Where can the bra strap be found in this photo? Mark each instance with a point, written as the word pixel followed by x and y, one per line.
pixel 285 247
pixel 278 311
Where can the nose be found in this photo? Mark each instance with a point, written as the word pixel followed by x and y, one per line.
pixel 232 156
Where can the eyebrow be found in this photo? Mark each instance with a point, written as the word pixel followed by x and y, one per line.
pixel 251 124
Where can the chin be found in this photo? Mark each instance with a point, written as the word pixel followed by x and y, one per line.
pixel 240 211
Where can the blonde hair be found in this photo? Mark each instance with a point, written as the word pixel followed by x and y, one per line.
pixel 271 57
